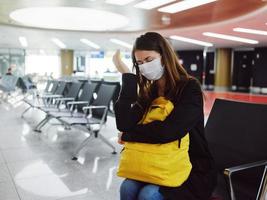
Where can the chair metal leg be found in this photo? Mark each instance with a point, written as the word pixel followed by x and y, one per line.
pixel 107 142
pixel 81 146
pixel 42 123
pixel 228 180
pixel 26 110
pixel 262 189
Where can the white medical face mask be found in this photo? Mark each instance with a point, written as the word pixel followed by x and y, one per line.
pixel 152 70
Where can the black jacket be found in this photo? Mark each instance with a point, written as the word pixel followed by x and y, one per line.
pixel 187 116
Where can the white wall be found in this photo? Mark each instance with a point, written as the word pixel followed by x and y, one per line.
pixel 43 64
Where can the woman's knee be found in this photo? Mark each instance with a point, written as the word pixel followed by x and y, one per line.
pixel 130 188
pixel 150 192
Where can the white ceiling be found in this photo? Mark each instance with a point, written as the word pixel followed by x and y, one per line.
pixel 41 38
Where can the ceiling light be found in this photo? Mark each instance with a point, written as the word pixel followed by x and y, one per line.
pixel 122 43
pixel 89 43
pixel 119 2
pixel 150 4
pixel 252 31
pixel 230 37
pixel 59 43
pixel 184 5
pixel 69 18
pixel 193 41
pixel 42 52
pixel 23 41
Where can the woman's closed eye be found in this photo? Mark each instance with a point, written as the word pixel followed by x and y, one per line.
pixel 146 60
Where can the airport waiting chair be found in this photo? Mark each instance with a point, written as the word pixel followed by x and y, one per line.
pixel 98 84
pixel 236 133
pixel 59 92
pixel 95 114
pixel 73 107
pixel 50 87
pixel 42 100
pixel 71 95
pixel 37 101
pixel 8 85
pixel 116 93
pixel 26 84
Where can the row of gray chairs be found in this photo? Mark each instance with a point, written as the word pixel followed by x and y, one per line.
pixel 76 108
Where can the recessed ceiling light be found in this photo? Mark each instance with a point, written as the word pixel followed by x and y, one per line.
pixel 150 4
pixel 252 31
pixel 119 2
pixel 121 43
pixel 69 18
pixel 23 41
pixel 90 43
pixel 193 41
pixel 230 37
pixel 184 5
pixel 59 43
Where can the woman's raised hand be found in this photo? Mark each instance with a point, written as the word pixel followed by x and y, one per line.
pixel 120 65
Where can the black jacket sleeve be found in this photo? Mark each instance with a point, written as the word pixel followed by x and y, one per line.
pixel 127 111
pixel 187 112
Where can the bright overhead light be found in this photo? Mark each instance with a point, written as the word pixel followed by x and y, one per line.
pixel 119 2
pixel 23 41
pixel 90 43
pixel 122 43
pixel 252 31
pixel 193 41
pixel 59 43
pixel 230 37
pixel 42 52
pixel 150 4
pixel 69 18
pixel 184 5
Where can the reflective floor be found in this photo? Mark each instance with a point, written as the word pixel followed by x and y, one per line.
pixel 234 96
pixel 38 166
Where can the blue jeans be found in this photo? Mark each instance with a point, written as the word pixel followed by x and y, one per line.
pixel 137 190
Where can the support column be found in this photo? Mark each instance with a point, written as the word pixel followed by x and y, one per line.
pixel 66 62
pixel 223 69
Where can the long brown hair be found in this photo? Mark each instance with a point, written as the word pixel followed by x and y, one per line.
pixel 174 72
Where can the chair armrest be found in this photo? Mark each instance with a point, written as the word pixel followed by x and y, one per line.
pixel 51 96
pixel 93 107
pixel 46 93
pixel 90 108
pixel 229 171
pixel 65 99
pixel 77 102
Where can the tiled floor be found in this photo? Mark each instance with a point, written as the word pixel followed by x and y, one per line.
pixel 38 166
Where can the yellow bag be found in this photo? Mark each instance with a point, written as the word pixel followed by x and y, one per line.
pixel 162 164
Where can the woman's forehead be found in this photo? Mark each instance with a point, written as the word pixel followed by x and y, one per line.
pixel 143 54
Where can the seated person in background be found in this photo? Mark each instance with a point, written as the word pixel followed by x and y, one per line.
pixel 74 73
pixel 9 71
